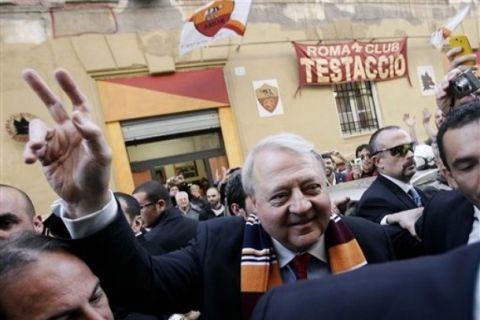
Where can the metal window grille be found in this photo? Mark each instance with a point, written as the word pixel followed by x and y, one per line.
pixel 355 107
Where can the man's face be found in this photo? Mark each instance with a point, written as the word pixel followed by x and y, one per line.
pixel 57 286
pixel 213 197
pixel 14 215
pixel 150 211
pixel 182 201
pixel 329 166
pixel 462 151
pixel 173 191
pixel 367 163
pixel 290 198
pixel 195 191
pixel 401 167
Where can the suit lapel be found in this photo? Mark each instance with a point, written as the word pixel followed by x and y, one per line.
pixel 399 193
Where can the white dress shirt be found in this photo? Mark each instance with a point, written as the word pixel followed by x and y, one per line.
pixel 475 233
pixel 89 224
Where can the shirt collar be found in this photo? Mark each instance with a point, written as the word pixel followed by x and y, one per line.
pixel 218 211
pixel 476 212
pixel 285 255
pixel 402 185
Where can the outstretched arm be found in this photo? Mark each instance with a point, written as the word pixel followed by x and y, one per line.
pixel 74 155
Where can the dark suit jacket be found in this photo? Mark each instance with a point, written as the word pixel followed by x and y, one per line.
pixel 446 222
pixel 173 231
pixel 203 276
pixel 436 287
pixel 385 197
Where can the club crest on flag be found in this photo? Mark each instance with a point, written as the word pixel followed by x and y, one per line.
pixel 216 20
pixel 211 19
pixel 267 96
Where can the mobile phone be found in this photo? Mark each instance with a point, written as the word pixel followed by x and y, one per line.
pixel 357 162
pixel 460 40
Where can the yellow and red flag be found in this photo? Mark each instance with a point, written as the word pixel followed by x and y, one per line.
pixel 214 21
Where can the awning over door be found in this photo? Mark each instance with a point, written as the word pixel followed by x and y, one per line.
pixel 147 96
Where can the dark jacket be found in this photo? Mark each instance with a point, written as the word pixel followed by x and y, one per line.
pixel 437 287
pixel 204 276
pixel 385 197
pixel 446 222
pixel 173 231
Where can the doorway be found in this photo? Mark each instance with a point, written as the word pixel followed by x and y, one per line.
pixel 189 144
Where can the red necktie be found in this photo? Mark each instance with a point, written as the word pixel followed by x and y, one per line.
pixel 300 265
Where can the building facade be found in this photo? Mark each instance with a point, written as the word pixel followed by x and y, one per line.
pixel 166 114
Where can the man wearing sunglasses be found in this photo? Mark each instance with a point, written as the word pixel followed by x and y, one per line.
pixel 392 193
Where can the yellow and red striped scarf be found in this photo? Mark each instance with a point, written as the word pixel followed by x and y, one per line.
pixel 260 270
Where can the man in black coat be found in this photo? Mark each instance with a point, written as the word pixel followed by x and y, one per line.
pixel 168 229
pixel 452 218
pixel 283 176
pixel 392 151
pixel 442 287
pixel 392 192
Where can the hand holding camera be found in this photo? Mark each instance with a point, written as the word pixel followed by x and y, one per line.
pixel 466 83
pixel 460 83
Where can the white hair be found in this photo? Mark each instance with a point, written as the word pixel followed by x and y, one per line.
pixel 181 193
pixel 288 142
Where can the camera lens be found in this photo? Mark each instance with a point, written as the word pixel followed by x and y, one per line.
pixel 463 85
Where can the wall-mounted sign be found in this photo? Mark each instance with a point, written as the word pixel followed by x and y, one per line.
pixel 17 126
pixel 267 97
pixel 327 64
pixel 426 78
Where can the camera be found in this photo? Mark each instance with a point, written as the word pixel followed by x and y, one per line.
pixel 464 84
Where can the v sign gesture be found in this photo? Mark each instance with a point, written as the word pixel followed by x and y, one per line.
pixel 74 155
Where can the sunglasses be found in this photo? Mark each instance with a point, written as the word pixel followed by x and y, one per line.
pixel 400 150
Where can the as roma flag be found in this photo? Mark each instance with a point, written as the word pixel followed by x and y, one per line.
pixel 216 20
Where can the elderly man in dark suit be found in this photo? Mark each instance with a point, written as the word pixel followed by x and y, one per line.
pixel 231 263
pixel 392 192
pixel 441 287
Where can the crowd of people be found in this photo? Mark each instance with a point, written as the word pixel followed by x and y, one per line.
pixel 263 244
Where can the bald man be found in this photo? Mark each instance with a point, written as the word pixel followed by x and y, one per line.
pixel 17 212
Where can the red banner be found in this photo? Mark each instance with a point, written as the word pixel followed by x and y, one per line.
pixel 326 64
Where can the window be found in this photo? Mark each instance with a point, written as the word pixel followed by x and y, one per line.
pixel 356 107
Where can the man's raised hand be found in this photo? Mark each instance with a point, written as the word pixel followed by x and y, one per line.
pixel 74 155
